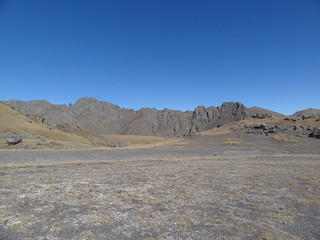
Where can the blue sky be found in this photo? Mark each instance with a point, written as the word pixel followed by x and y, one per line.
pixel 162 53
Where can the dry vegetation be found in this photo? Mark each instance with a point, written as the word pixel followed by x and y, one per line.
pixel 285 138
pixel 234 141
pixel 244 197
pixel 135 139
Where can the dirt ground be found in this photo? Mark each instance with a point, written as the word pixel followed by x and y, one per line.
pixel 209 187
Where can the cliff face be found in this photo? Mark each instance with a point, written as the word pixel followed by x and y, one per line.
pixel 106 118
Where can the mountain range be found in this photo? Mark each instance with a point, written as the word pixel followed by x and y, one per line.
pixel 105 118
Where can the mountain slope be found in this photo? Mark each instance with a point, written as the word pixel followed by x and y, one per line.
pixel 253 111
pixel 13 123
pixel 308 112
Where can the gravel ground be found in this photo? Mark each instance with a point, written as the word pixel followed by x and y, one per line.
pixel 201 190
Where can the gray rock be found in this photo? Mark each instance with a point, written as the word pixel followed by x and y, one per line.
pixel 14 138
pixel 262 115
pixel 315 133
pixel 290 119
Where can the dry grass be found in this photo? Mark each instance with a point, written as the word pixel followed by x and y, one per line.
pixel 234 141
pixel 284 138
pixel 135 139
pixel 234 197
pixel 87 235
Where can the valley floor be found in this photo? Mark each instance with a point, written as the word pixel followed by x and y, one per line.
pixel 208 187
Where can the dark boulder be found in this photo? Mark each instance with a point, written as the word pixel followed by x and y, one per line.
pixel 315 133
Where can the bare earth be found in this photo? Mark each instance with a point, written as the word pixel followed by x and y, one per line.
pixel 207 187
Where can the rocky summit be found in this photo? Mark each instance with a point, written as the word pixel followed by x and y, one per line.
pixel 106 118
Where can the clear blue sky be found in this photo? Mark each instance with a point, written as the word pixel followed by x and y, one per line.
pixel 162 53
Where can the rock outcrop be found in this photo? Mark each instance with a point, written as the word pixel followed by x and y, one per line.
pixel 105 118
pixel 300 130
pixel 315 133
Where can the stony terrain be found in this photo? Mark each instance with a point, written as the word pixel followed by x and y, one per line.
pixel 294 129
